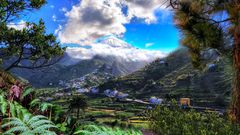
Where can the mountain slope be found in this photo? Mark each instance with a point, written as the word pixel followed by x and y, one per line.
pixel 52 75
pixel 175 77
pixel 116 55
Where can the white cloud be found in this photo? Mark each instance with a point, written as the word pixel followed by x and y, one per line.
pixel 145 9
pixel 115 47
pixel 149 45
pixel 58 29
pixel 18 26
pixel 63 9
pixel 54 18
pixel 92 19
pixel 52 6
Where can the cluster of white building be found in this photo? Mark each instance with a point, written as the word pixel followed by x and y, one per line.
pixel 75 83
pixel 115 94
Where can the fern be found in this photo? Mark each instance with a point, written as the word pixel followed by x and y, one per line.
pixel 29 125
pixel 45 106
pixel 26 92
pixel 3 104
pixel 103 130
pixel 35 102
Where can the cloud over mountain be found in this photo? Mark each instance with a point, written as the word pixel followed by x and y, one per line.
pixel 92 19
pixel 112 46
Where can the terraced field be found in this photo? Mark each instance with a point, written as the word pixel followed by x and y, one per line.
pixel 104 110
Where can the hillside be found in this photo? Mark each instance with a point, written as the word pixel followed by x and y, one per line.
pixel 175 77
pixel 76 63
pixel 55 73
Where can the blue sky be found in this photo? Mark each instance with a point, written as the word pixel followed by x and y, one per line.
pixel 143 24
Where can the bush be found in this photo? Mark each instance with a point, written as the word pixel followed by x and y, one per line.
pixel 174 121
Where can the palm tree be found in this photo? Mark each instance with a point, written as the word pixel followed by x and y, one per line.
pixel 200 30
pixel 78 102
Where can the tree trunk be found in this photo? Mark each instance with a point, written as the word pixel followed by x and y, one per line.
pixel 235 105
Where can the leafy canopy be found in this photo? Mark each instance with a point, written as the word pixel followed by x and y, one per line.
pixel 30 47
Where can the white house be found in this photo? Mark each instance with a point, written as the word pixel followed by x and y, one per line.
pixel 155 101
pixel 107 92
pixel 121 95
pixel 81 90
pixel 94 90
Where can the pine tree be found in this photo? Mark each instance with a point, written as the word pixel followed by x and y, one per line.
pixel 29 47
pixel 200 30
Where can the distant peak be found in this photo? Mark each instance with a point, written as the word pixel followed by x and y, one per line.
pixel 114 42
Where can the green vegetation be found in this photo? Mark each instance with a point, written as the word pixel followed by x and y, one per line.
pixel 29 125
pixel 103 130
pixel 173 121
pixel 38 116
pixel 18 119
pixel 28 111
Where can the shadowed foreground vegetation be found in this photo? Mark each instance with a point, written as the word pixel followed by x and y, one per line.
pixel 173 121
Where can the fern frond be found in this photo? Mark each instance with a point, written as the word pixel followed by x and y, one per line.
pixel 40 123
pixel 36 118
pixel 30 125
pixel 26 92
pixel 44 128
pixel 83 132
pixel 35 102
pixel 49 133
pixel 19 129
pixel 13 122
pixel 12 110
pixel 45 106
pixel 21 112
pixel 103 130
pixel 3 104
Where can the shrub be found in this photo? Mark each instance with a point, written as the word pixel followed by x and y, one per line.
pixel 174 121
